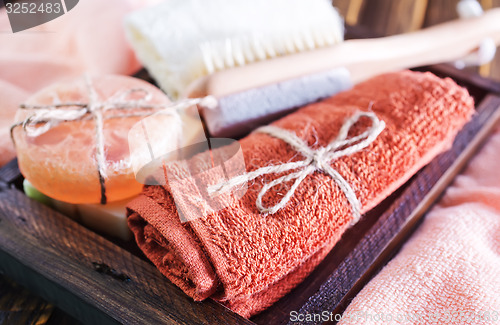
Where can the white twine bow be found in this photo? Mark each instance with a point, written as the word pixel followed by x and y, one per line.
pixel 46 117
pixel 315 159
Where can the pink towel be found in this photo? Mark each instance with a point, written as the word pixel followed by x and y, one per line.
pixel 89 38
pixel 449 271
pixel 10 98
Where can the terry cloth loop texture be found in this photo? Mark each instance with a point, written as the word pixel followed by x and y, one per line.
pixel 248 261
pixel 449 270
pixel 319 159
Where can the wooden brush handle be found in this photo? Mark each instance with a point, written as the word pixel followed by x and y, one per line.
pixel 364 58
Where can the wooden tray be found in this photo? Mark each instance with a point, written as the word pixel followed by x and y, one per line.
pixel 105 281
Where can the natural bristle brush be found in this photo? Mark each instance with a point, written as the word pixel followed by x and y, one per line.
pixel 180 41
pixel 321 27
pixel 257 57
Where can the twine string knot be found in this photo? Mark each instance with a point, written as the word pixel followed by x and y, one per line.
pixel 314 160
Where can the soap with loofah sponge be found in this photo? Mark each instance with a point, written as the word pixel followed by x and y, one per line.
pixel 72 138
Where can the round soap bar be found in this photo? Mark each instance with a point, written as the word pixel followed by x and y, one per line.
pixel 58 151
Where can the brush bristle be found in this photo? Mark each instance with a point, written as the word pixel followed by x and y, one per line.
pixel 299 26
pixel 182 40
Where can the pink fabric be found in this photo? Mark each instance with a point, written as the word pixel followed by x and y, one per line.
pixel 449 271
pixel 88 38
pixel 10 97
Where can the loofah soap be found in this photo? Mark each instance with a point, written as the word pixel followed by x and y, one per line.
pixel 71 138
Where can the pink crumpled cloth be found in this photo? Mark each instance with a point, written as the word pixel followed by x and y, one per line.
pixel 89 38
pixel 449 271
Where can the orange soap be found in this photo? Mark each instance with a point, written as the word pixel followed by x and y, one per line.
pixel 58 150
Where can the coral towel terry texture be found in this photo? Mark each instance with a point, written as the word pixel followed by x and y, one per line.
pixel 449 271
pixel 248 260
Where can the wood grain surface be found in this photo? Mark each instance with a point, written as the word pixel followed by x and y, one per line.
pixel 19 306
pixel 62 261
pixel 388 17
pixel 491 70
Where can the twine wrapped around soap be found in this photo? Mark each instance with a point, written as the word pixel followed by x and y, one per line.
pixel 46 117
pixel 315 159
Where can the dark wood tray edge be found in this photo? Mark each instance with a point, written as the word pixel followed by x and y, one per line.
pixel 88 276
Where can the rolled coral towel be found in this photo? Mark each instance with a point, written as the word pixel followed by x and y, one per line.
pixel 448 272
pixel 247 259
